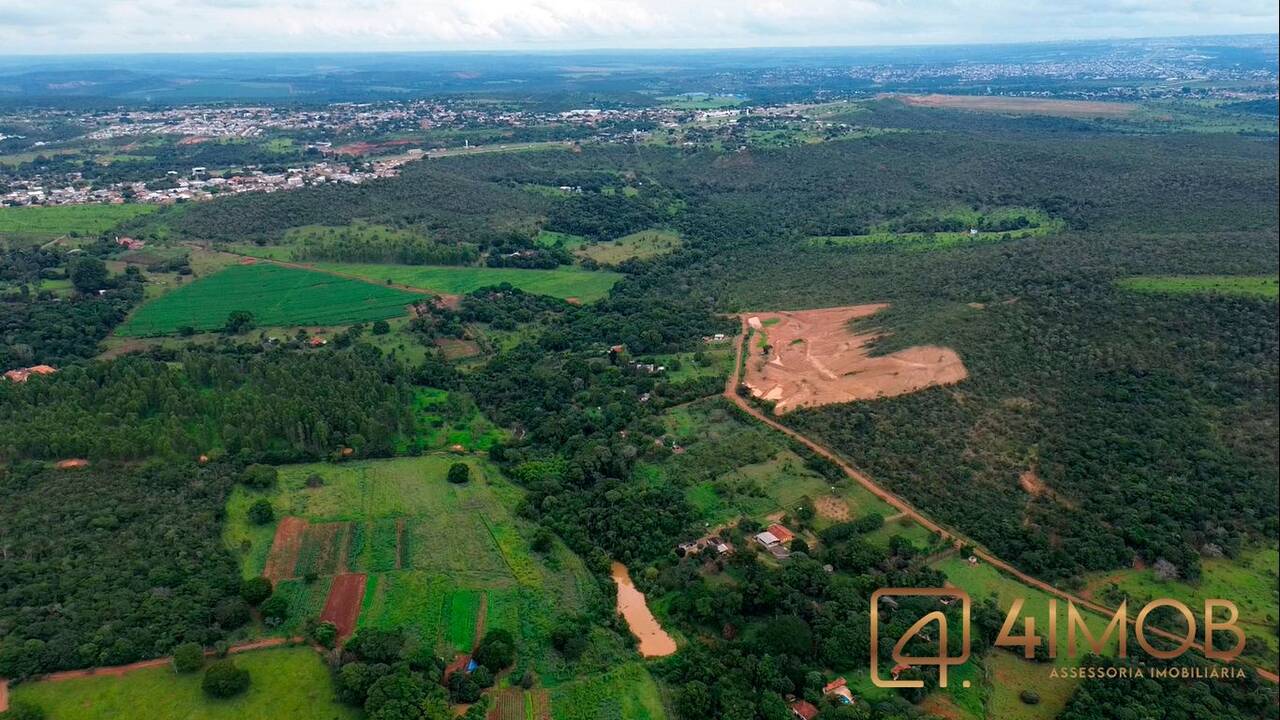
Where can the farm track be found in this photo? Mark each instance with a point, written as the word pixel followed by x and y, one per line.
pixel 908 510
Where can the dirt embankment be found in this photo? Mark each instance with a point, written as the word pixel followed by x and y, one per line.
pixel 812 358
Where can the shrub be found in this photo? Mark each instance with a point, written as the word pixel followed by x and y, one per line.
pixel 381 327
pixel 325 633
pixel 314 480
pixel 260 477
pixel 188 657
pixel 261 512
pixel 23 710
pixel 275 609
pixel 1030 697
pixel 223 679
pixel 255 590
pixel 459 473
pixel 496 651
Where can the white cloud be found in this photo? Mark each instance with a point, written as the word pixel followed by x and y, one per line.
pixel 71 26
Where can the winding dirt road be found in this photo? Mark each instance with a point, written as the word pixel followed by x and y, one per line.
pixel 730 392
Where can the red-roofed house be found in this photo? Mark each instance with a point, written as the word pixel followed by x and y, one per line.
pixel 803 710
pixel 839 688
pixel 783 534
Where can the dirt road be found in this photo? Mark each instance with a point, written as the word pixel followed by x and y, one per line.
pixel 730 392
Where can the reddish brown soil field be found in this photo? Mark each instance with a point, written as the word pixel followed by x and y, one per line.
pixel 832 508
pixel 284 549
pixel 1022 106
pixel 342 607
pixel 815 359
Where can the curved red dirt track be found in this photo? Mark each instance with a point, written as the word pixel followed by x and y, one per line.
pixel 730 392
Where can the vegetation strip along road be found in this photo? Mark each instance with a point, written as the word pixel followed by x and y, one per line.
pixel 731 392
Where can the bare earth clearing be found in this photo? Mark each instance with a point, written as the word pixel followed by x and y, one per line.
pixel 815 359
pixel 342 607
pixel 1022 106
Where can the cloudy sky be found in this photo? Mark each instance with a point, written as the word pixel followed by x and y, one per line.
pixel 80 26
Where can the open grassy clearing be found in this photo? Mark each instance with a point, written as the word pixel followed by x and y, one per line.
pixel 551 238
pixel 701 101
pixel 640 245
pixel 628 693
pixel 284 683
pixel 275 295
pixel 577 283
pixel 950 228
pixel 459 543
pixel 1005 674
pixel 1249 580
pixel 55 220
pixel 1022 105
pixel 1259 286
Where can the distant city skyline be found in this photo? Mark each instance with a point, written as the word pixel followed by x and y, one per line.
pixel 141 26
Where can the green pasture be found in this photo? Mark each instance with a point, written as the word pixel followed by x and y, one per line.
pixel 284 683
pixel 1249 580
pixel 276 295
pixel 1255 286
pixel 883 234
pixel 567 282
pixel 640 245
pixel 55 220
pixel 627 693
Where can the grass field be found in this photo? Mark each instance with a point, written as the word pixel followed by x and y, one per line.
pixel 275 295
pixel 1250 581
pixel 1007 674
pixel 56 220
pixel 1260 286
pixel 628 693
pixel 285 683
pixel 551 238
pixel 452 280
pixel 884 234
pixel 701 101
pixel 640 245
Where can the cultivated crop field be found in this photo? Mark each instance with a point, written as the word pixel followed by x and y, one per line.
pixel 434 553
pixel 628 693
pixel 68 219
pixel 1257 286
pixel 275 295
pixel 284 683
pixel 584 285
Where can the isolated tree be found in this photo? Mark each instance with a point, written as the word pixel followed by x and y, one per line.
pixel 459 473
pixel 231 613
pixel 255 589
pixel 274 609
pixel 261 512
pixel 223 679
pixel 496 651
pixel 88 274
pixel 188 657
pixel 381 327
pixel 238 321
pixel 325 633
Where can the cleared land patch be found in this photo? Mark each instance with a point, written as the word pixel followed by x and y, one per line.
pixel 342 608
pixel 1022 106
pixel 275 295
pixel 943 229
pixel 640 245
pixel 1261 286
pixel 586 285
pixel 812 357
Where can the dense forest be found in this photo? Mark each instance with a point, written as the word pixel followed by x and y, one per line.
pixel 112 564
pixel 279 406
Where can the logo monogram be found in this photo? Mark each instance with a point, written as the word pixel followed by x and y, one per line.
pixel 942 660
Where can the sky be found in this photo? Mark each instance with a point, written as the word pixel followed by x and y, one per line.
pixel 60 27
